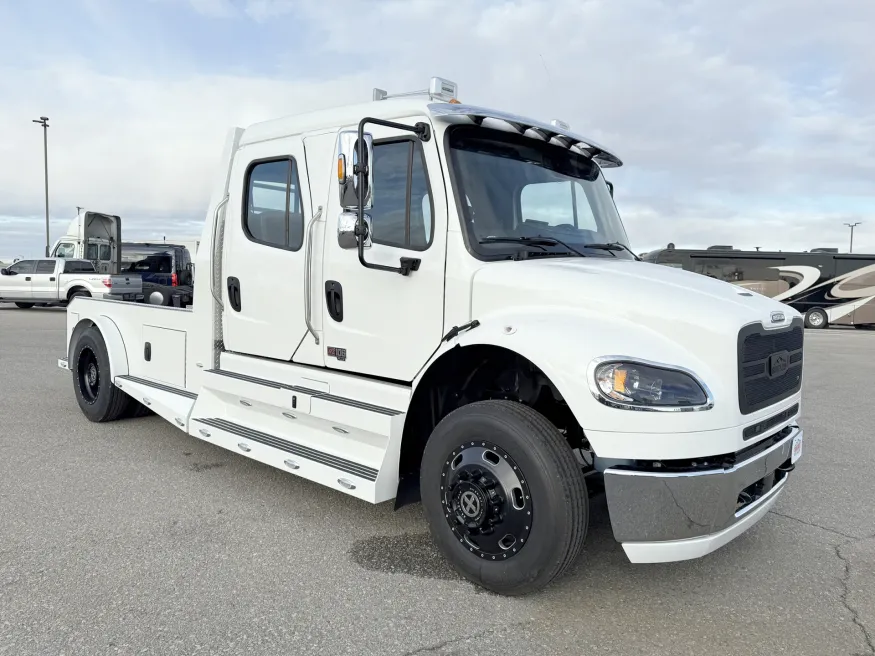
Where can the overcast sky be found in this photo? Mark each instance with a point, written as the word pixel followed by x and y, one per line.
pixel 744 122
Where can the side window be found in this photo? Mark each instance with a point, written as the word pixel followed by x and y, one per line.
pixel 403 208
pixel 25 266
pixel 65 250
pixel 105 252
pixel 45 266
pixel 91 251
pixel 273 214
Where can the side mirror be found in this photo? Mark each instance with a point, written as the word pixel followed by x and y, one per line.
pixel 346 237
pixel 610 187
pixel 347 162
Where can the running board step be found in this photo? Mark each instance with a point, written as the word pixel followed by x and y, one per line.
pixel 172 403
pixel 307 453
pixel 347 476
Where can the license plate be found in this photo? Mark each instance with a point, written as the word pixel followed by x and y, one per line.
pixel 796 451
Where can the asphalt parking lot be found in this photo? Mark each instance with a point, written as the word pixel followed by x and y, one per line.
pixel 133 538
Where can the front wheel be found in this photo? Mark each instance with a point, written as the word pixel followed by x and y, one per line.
pixel 816 318
pixel 99 399
pixel 504 496
pixel 24 306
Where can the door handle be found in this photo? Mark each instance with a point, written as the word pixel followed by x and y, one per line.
pixel 334 299
pixel 234 293
pixel 27 278
pixel 52 279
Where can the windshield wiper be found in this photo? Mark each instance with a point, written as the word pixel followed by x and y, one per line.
pixel 538 241
pixel 611 247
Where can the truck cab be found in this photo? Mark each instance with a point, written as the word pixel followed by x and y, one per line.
pixel 414 299
pixel 92 236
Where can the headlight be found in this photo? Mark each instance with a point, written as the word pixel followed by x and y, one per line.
pixel 643 386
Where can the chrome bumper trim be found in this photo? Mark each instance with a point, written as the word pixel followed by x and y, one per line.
pixel 650 506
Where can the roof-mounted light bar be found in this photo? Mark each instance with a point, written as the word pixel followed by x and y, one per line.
pixel 438 89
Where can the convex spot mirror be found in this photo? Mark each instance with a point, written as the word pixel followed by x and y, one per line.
pixel 346 235
pixel 347 162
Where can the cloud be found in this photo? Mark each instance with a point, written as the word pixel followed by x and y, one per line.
pixel 738 123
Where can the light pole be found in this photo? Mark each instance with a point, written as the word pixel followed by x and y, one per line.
pixel 851 226
pixel 44 121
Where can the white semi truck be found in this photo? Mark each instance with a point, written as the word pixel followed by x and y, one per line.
pixel 415 298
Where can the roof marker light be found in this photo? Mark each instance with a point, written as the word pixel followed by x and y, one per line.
pixel 562 125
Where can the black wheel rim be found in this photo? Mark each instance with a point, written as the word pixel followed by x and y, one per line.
pixel 487 501
pixel 88 371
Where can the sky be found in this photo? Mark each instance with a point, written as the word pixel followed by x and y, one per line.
pixel 739 122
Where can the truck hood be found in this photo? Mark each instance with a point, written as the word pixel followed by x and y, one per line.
pixel 676 303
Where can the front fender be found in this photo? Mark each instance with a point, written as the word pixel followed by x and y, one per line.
pixel 563 342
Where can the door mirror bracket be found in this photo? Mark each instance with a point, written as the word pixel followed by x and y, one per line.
pixel 362 190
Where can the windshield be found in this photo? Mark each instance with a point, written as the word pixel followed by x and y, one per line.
pixel 517 187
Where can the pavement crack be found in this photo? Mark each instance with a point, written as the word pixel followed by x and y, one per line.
pixel 435 649
pixel 855 615
pixel 813 525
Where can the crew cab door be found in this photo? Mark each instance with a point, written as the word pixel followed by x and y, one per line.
pixel 44 282
pixel 263 265
pixel 17 283
pixel 377 322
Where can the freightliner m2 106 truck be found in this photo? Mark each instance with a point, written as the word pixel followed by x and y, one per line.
pixel 418 299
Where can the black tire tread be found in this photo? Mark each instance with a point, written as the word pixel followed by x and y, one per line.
pixel 24 306
pixel 561 463
pixel 118 400
pixel 568 471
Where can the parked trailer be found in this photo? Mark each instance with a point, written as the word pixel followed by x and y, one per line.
pixel 415 298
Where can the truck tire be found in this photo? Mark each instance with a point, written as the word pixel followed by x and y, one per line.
pixel 816 318
pixel 79 292
pixel 25 306
pixel 504 496
pixel 99 399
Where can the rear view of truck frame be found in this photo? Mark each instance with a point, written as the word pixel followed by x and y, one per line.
pixel 417 299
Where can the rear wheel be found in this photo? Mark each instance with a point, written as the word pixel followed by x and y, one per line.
pixel 504 496
pixel 25 306
pixel 816 318
pixel 79 292
pixel 98 398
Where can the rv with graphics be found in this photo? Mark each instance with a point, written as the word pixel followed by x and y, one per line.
pixel 825 286
pixel 417 299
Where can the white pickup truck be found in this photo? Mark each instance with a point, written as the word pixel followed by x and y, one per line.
pixel 415 298
pixel 57 281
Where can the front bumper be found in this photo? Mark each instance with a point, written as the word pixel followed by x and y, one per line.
pixel 662 516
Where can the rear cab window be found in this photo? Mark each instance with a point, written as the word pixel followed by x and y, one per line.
pixel 77 266
pixel 45 266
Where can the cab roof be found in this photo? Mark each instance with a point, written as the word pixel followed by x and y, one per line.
pixel 328 120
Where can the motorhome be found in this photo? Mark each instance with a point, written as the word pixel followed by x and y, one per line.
pixel 415 299
pixel 827 287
